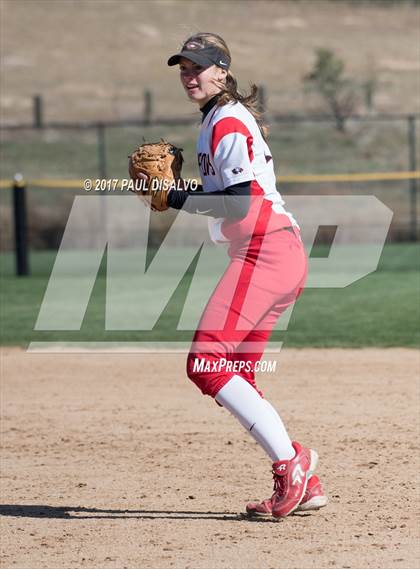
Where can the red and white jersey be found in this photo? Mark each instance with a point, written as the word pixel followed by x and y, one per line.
pixel 231 150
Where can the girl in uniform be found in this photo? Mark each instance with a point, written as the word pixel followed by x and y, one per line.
pixel 267 268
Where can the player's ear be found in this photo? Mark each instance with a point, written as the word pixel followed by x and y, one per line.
pixel 222 74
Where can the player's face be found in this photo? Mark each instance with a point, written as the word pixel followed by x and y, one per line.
pixel 199 83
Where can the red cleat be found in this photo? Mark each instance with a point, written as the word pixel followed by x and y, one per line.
pixel 290 482
pixel 313 499
pixel 262 509
pixel 291 479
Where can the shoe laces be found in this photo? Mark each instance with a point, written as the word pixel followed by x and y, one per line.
pixel 279 484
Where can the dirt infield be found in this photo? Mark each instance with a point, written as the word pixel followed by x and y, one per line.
pixel 113 461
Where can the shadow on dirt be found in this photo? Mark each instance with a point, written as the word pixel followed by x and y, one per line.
pixel 78 512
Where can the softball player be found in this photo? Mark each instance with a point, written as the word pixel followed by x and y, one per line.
pixel 267 269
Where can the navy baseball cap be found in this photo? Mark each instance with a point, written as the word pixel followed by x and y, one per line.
pixel 205 55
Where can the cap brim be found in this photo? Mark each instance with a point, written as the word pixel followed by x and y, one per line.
pixel 192 56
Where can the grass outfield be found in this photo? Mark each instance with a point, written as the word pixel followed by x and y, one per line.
pixel 381 309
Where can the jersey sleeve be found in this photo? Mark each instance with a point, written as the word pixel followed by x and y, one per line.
pixel 232 151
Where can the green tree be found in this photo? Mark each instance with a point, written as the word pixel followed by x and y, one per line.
pixel 328 80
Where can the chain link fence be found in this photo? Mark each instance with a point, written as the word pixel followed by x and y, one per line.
pixel 300 146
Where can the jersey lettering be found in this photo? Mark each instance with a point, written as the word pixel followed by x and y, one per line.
pixel 231 150
pixel 205 165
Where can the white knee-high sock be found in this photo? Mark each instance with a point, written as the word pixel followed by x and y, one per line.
pixel 257 416
pixel 280 424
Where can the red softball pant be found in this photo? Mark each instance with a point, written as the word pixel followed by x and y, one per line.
pixel 265 276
